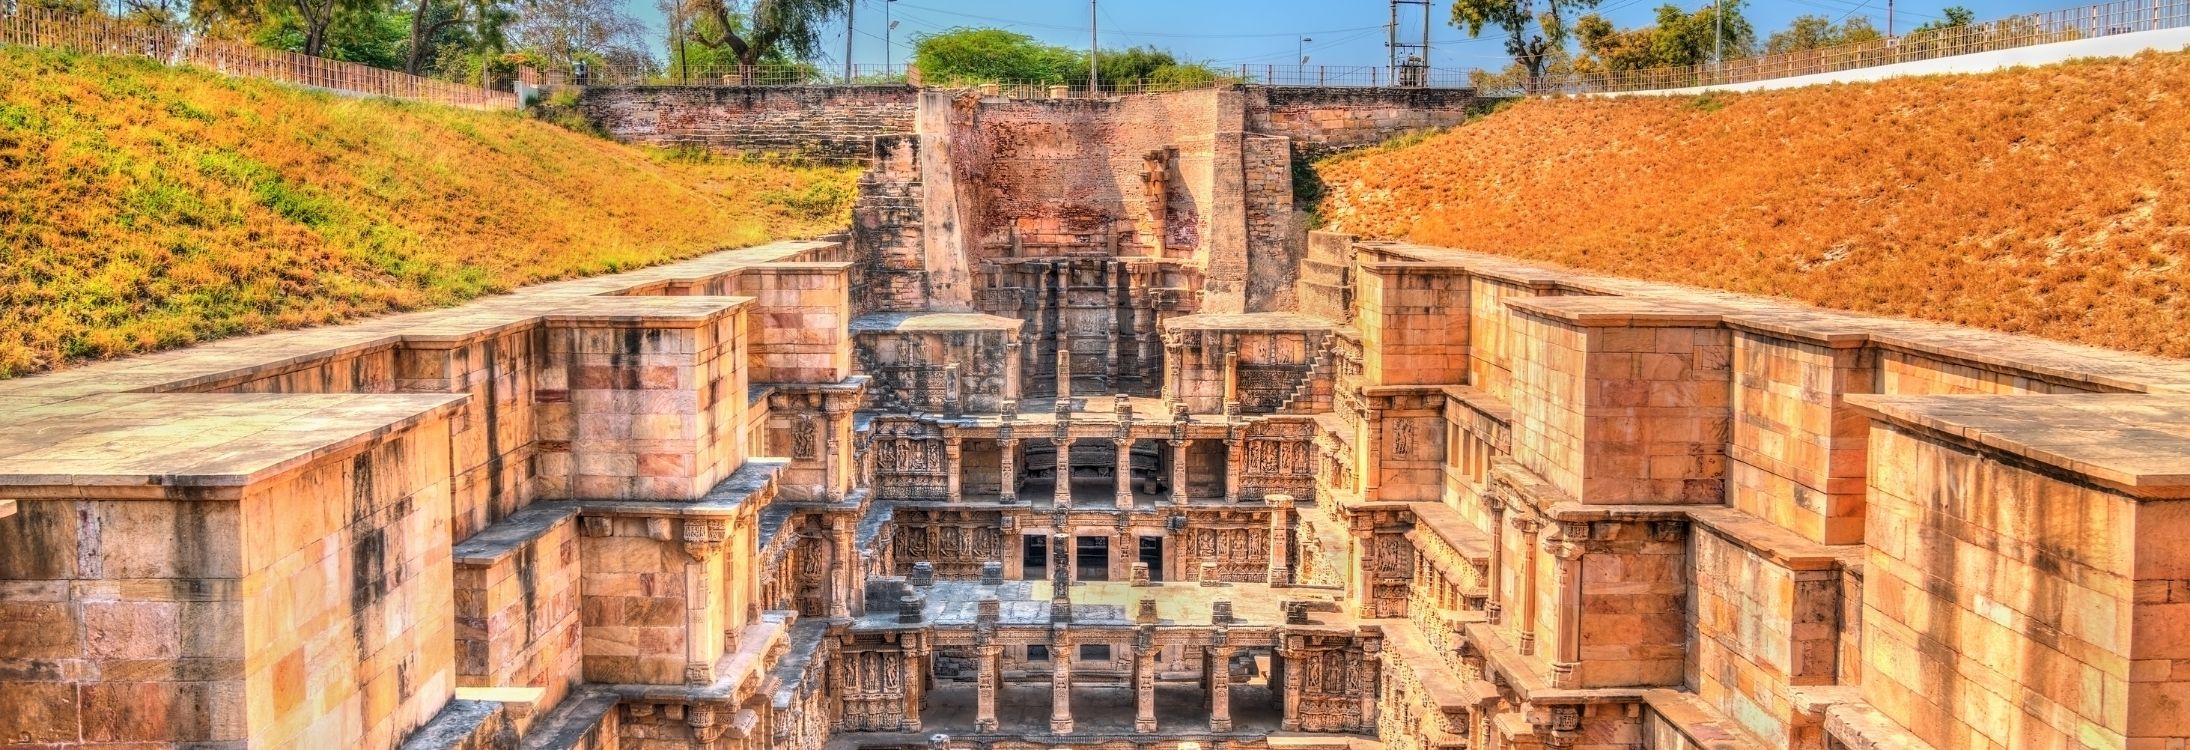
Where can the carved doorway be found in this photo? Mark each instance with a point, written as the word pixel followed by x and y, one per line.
pixel 1092 558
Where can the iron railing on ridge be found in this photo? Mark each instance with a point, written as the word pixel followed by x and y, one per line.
pixel 2103 19
pixel 809 75
pixel 719 75
pixel 34 27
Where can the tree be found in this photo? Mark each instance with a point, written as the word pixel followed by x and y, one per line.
pixel 755 30
pixel 1819 32
pixel 311 18
pixel 472 24
pixel 562 32
pixel 1679 38
pixel 1954 15
pixel 984 55
pixel 1515 18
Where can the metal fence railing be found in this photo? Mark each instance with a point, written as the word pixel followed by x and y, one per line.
pixel 689 74
pixel 2103 19
pixel 1358 76
pixel 34 27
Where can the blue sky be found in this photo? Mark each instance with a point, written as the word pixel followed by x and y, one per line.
pixel 1259 32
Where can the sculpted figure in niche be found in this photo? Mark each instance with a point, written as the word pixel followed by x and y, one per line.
pixel 1403 439
pixel 802 438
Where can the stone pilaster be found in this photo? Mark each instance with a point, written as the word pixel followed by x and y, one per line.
pixel 1528 527
pixel 989 653
pixel 1144 680
pixel 1281 528
pixel 1292 656
pixel 954 399
pixel 1123 475
pixel 1007 456
pixel 1235 464
pixel 953 451
pixel 1064 372
pixel 1220 681
pixel 848 590
pixel 1494 604
pixel 703 600
pixel 1060 680
pixel 1062 495
pixel 1060 576
pixel 1566 546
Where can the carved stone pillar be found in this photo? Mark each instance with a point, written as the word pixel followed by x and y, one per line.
pixel 1494 605
pixel 916 669
pixel 1178 472
pixel 1292 657
pixel 1007 456
pixel 1064 369
pixel 989 654
pixel 1281 527
pixel 703 597
pixel 1060 576
pixel 1011 369
pixel 1527 626
pixel 1123 475
pixel 1144 680
pixel 1567 546
pixel 1235 464
pixel 847 575
pixel 1060 680
pixel 953 451
pixel 839 477
pixel 1062 496
pixel 954 400
pixel 1231 375
pixel 1220 683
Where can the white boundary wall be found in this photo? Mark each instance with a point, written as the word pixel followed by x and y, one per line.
pixel 2118 45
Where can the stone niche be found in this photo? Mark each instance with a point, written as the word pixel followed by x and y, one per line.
pixel 1267 362
pixel 950 363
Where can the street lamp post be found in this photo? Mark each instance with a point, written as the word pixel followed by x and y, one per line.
pixel 1302 47
pixel 887 27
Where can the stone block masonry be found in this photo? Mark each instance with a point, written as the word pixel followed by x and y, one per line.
pixel 829 123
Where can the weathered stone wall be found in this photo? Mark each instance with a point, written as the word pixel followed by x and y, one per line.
pixel 1796 454
pixel 1274 250
pixel 1321 120
pixel 833 123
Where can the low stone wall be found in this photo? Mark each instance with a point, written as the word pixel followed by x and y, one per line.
pixel 830 123
pixel 1322 120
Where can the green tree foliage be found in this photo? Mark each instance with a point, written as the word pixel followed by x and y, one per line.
pixel 1819 32
pixel 757 31
pixel 985 55
pixel 465 27
pixel 562 32
pixel 1533 38
pixel 270 21
pixel 358 33
pixel 1680 37
pixel 1952 17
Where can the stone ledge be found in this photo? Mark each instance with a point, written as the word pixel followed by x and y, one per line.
pixel 1456 532
pixel 1773 542
pixel 1620 312
pixel 731 496
pixel 1267 321
pixel 193 446
pixel 505 537
pixel 1861 727
pixel 1704 727
pixel 2134 443
pixel 642 312
pixel 573 723
pixel 933 322
pixel 465 725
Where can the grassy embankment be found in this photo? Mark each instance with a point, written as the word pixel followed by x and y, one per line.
pixel 145 207
pixel 2053 201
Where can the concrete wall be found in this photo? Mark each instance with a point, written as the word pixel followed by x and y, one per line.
pixel 832 123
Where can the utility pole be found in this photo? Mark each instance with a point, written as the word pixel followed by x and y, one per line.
pixel 887 27
pixel 1302 47
pixel 1889 19
pixel 851 12
pixel 1391 43
pixel 1094 49
pixel 1718 31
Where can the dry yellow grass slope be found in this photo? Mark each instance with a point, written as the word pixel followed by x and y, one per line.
pixel 2053 201
pixel 144 207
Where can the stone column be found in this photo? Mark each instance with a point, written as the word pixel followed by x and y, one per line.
pixel 954 400
pixel 1235 464
pixel 1567 547
pixel 1220 682
pixel 1060 576
pixel 1493 607
pixel 1178 472
pixel 989 654
pixel 1124 440
pixel 916 669
pixel 1292 657
pixel 847 574
pixel 1231 375
pixel 1527 590
pixel 1011 369
pixel 1007 456
pixel 1060 680
pixel 703 588
pixel 953 473
pixel 1281 510
pixel 838 477
pixel 1064 370
pixel 1144 681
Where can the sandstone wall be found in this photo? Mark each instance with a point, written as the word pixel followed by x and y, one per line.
pixel 1321 120
pixel 833 123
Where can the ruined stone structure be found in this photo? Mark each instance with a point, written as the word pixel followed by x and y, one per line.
pixel 1073 444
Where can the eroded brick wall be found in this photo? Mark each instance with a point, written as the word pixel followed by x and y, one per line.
pixel 1324 120
pixel 832 123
